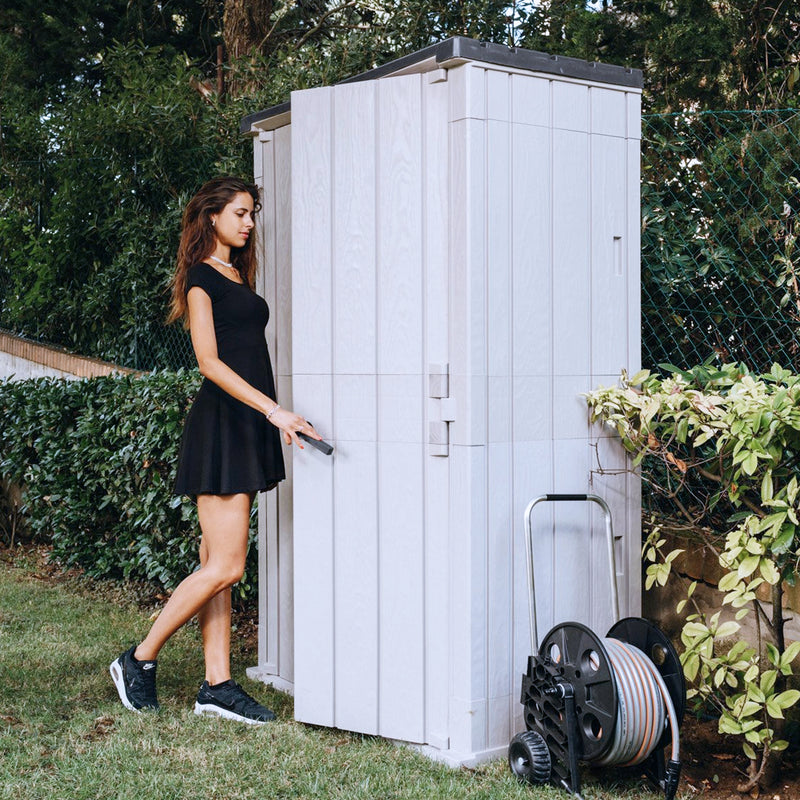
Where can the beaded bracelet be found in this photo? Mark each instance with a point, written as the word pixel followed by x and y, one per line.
pixel 272 410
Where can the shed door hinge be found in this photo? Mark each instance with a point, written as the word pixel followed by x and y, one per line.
pixel 442 412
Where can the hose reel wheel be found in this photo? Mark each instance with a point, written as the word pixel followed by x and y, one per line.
pixel 581 659
pixel 529 757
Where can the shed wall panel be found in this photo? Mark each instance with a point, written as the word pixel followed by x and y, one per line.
pixel 311 200
pixel 634 109
pixel 355 398
pixel 532 476
pixel 498 321
pixel 532 250
pixel 468 253
pixel 314 529
pixel 314 549
pixel 500 409
pixel 571 333
pixel 356 595
pixel 570 414
pixel 281 311
pixel 571 106
pixel 268 644
pixel 633 306
pixel 498 95
pixel 608 111
pixel 401 592
pixel 281 308
pixel 468 612
pixel 467 93
pixel 499 532
pixel 531 102
pixel 572 556
pixel 282 498
pixel 354 229
pixel 609 280
pixel 437 578
pixel 400 227
pixel 436 170
pixel 611 485
pixel 272 169
pixel 435 216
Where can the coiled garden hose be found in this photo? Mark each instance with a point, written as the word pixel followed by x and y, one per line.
pixel 643 706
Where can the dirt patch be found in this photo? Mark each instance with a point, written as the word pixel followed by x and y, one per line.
pixel 714 765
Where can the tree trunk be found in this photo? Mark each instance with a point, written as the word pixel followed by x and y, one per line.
pixel 245 29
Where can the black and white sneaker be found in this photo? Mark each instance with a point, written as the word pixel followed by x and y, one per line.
pixel 135 682
pixel 229 700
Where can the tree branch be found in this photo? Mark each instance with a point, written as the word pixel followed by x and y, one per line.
pixel 322 19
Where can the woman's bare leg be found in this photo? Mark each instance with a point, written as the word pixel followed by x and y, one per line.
pixel 214 619
pixel 225 523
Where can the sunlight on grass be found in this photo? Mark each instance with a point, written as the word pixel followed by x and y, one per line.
pixel 63 732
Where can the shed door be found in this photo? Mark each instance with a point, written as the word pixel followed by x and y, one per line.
pixel 369 326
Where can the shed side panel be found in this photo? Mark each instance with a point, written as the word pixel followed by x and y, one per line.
pixel 268 577
pixel 312 189
pixel 571 351
pixel 355 407
pixel 436 469
pixel 313 390
pixel 609 280
pixel 499 473
pixel 401 395
pixel 282 309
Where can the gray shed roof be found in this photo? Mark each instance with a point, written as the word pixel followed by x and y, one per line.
pixel 460 49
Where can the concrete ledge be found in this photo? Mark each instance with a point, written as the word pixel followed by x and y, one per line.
pixel 24 358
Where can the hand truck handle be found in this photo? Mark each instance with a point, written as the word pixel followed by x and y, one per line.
pixel 592 498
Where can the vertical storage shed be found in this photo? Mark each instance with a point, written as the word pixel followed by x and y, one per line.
pixel 451 252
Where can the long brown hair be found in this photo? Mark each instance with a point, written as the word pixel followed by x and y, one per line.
pixel 198 239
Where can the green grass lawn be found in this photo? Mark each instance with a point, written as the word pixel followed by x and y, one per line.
pixel 64 733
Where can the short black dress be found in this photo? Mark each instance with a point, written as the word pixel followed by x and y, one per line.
pixel 227 446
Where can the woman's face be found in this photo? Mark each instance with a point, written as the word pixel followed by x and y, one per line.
pixel 233 224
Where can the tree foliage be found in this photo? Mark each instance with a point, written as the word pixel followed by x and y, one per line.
pixel 87 259
pixel 721 449
pixel 695 54
pixel 110 119
pixel 58 42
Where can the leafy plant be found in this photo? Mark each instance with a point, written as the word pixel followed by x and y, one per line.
pixel 721 448
pixel 90 465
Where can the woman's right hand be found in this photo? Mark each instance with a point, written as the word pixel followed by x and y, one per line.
pixel 291 424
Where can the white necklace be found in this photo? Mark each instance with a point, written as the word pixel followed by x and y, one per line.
pixel 220 261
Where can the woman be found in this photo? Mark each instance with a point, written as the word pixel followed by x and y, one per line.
pixel 231 442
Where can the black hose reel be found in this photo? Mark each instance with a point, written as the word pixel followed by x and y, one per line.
pixel 613 701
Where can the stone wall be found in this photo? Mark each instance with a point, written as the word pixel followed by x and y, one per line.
pixel 22 358
pixel 699 563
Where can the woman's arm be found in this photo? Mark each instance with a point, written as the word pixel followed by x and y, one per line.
pixel 204 342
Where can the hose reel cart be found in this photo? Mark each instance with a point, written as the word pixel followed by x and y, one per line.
pixel 617 701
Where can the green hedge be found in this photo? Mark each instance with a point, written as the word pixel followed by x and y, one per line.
pixel 91 464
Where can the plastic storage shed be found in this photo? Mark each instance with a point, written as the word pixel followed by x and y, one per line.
pixel 451 253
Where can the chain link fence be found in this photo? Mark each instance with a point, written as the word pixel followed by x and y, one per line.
pixel 720 201
pixel 108 297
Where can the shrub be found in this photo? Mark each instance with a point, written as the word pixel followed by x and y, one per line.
pixel 724 446
pixel 92 464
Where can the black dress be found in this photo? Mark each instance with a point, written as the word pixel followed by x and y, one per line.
pixel 227 446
